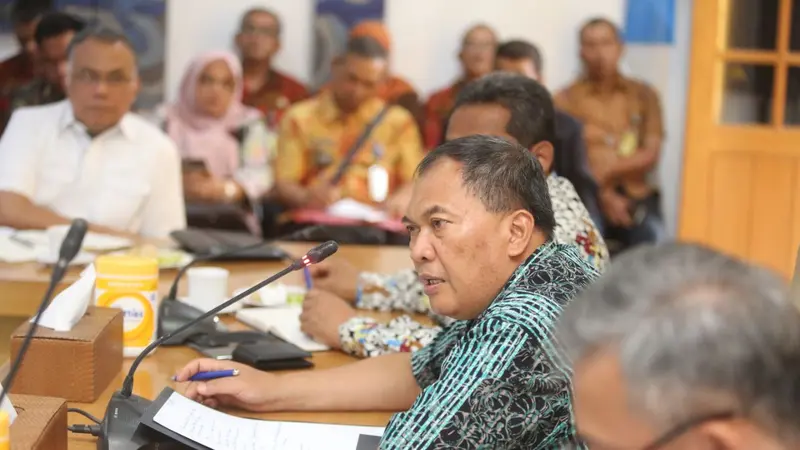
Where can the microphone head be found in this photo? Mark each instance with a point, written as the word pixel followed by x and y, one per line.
pixel 71 244
pixel 320 252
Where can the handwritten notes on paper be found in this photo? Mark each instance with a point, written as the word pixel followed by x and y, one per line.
pixel 221 431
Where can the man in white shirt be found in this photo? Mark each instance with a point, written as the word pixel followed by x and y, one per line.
pixel 88 156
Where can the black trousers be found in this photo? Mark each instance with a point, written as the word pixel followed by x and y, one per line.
pixel 648 225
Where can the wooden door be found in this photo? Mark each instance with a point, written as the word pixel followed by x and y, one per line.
pixel 741 185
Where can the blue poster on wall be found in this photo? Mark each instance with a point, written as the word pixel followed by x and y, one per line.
pixel 142 21
pixel 332 22
pixel 650 22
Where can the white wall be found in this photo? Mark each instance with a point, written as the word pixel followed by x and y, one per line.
pixel 666 68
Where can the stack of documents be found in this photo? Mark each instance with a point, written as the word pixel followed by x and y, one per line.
pixel 220 431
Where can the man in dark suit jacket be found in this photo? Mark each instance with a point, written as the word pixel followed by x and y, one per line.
pixel 570 150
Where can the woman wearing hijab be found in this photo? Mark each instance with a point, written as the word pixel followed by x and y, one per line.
pixel 225 146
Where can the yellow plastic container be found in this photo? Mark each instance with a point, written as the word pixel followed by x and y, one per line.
pixel 5 423
pixel 130 283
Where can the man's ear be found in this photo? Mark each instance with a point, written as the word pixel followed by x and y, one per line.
pixel 727 434
pixel 520 226
pixel 545 153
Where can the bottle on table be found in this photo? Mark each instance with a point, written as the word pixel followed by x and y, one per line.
pixel 130 283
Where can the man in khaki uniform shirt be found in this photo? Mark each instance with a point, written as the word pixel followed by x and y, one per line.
pixel 623 129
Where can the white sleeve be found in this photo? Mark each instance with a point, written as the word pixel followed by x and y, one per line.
pixel 165 210
pixel 19 155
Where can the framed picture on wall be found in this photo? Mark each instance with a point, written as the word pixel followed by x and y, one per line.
pixel 332 22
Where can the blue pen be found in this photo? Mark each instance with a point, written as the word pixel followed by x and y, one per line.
pixel 213 375
pixel 307 274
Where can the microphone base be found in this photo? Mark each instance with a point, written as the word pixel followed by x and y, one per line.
pixel 173 314
pixel 122 428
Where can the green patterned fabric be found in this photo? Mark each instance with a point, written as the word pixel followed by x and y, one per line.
pixel 498 381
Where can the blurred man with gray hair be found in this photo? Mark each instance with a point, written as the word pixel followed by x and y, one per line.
pixel 680 347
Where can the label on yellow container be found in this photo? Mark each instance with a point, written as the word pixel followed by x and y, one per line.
pixel 131 284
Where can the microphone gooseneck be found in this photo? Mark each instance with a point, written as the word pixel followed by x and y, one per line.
pixel 315 255
pixel 70 247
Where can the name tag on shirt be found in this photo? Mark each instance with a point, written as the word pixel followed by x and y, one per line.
pixel 378 181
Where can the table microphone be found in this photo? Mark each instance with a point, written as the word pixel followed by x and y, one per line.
pixel 70 247
pixel 120 429
pixel 174 314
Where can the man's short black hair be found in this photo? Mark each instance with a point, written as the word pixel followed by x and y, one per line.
pixel 103 34
pixel 26 11
pixel 55 24
pixel 519 49
pixel 261 10
pixel 502 174
pixel 593 22
pixel 366 47
pixel 529 103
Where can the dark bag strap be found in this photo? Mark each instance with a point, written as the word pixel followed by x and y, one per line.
pixel 351 152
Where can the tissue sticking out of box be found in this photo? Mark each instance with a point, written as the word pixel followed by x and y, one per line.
pixel 70 305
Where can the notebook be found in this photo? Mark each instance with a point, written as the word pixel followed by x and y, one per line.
pixel 282 321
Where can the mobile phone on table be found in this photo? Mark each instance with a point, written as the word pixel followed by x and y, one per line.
pixel 219 353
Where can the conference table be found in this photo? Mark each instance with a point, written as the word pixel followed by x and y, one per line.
pixel 23 285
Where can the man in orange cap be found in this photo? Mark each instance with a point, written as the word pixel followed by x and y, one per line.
pixel 394 89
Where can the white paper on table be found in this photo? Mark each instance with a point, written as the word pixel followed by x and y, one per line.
pixel 221 431
pixel 91 241
pixel 350 209
pixel 70 305
pixel 8 408
pixel 12 251
pixel 282 321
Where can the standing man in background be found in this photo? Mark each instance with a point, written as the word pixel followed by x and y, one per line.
pixel 477 59
pixel 569 158
pixel 624 131
pixel 19 69
pixel 266 89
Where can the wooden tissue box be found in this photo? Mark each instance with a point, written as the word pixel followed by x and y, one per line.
pixel 41 423
pixel 77 365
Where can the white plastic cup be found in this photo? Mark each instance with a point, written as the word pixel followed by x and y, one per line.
pixel 208 287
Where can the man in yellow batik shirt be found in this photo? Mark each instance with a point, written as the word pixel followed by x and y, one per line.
pixel 316 136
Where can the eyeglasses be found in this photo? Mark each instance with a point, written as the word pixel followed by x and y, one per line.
pixel 114 79
pixel 670 435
